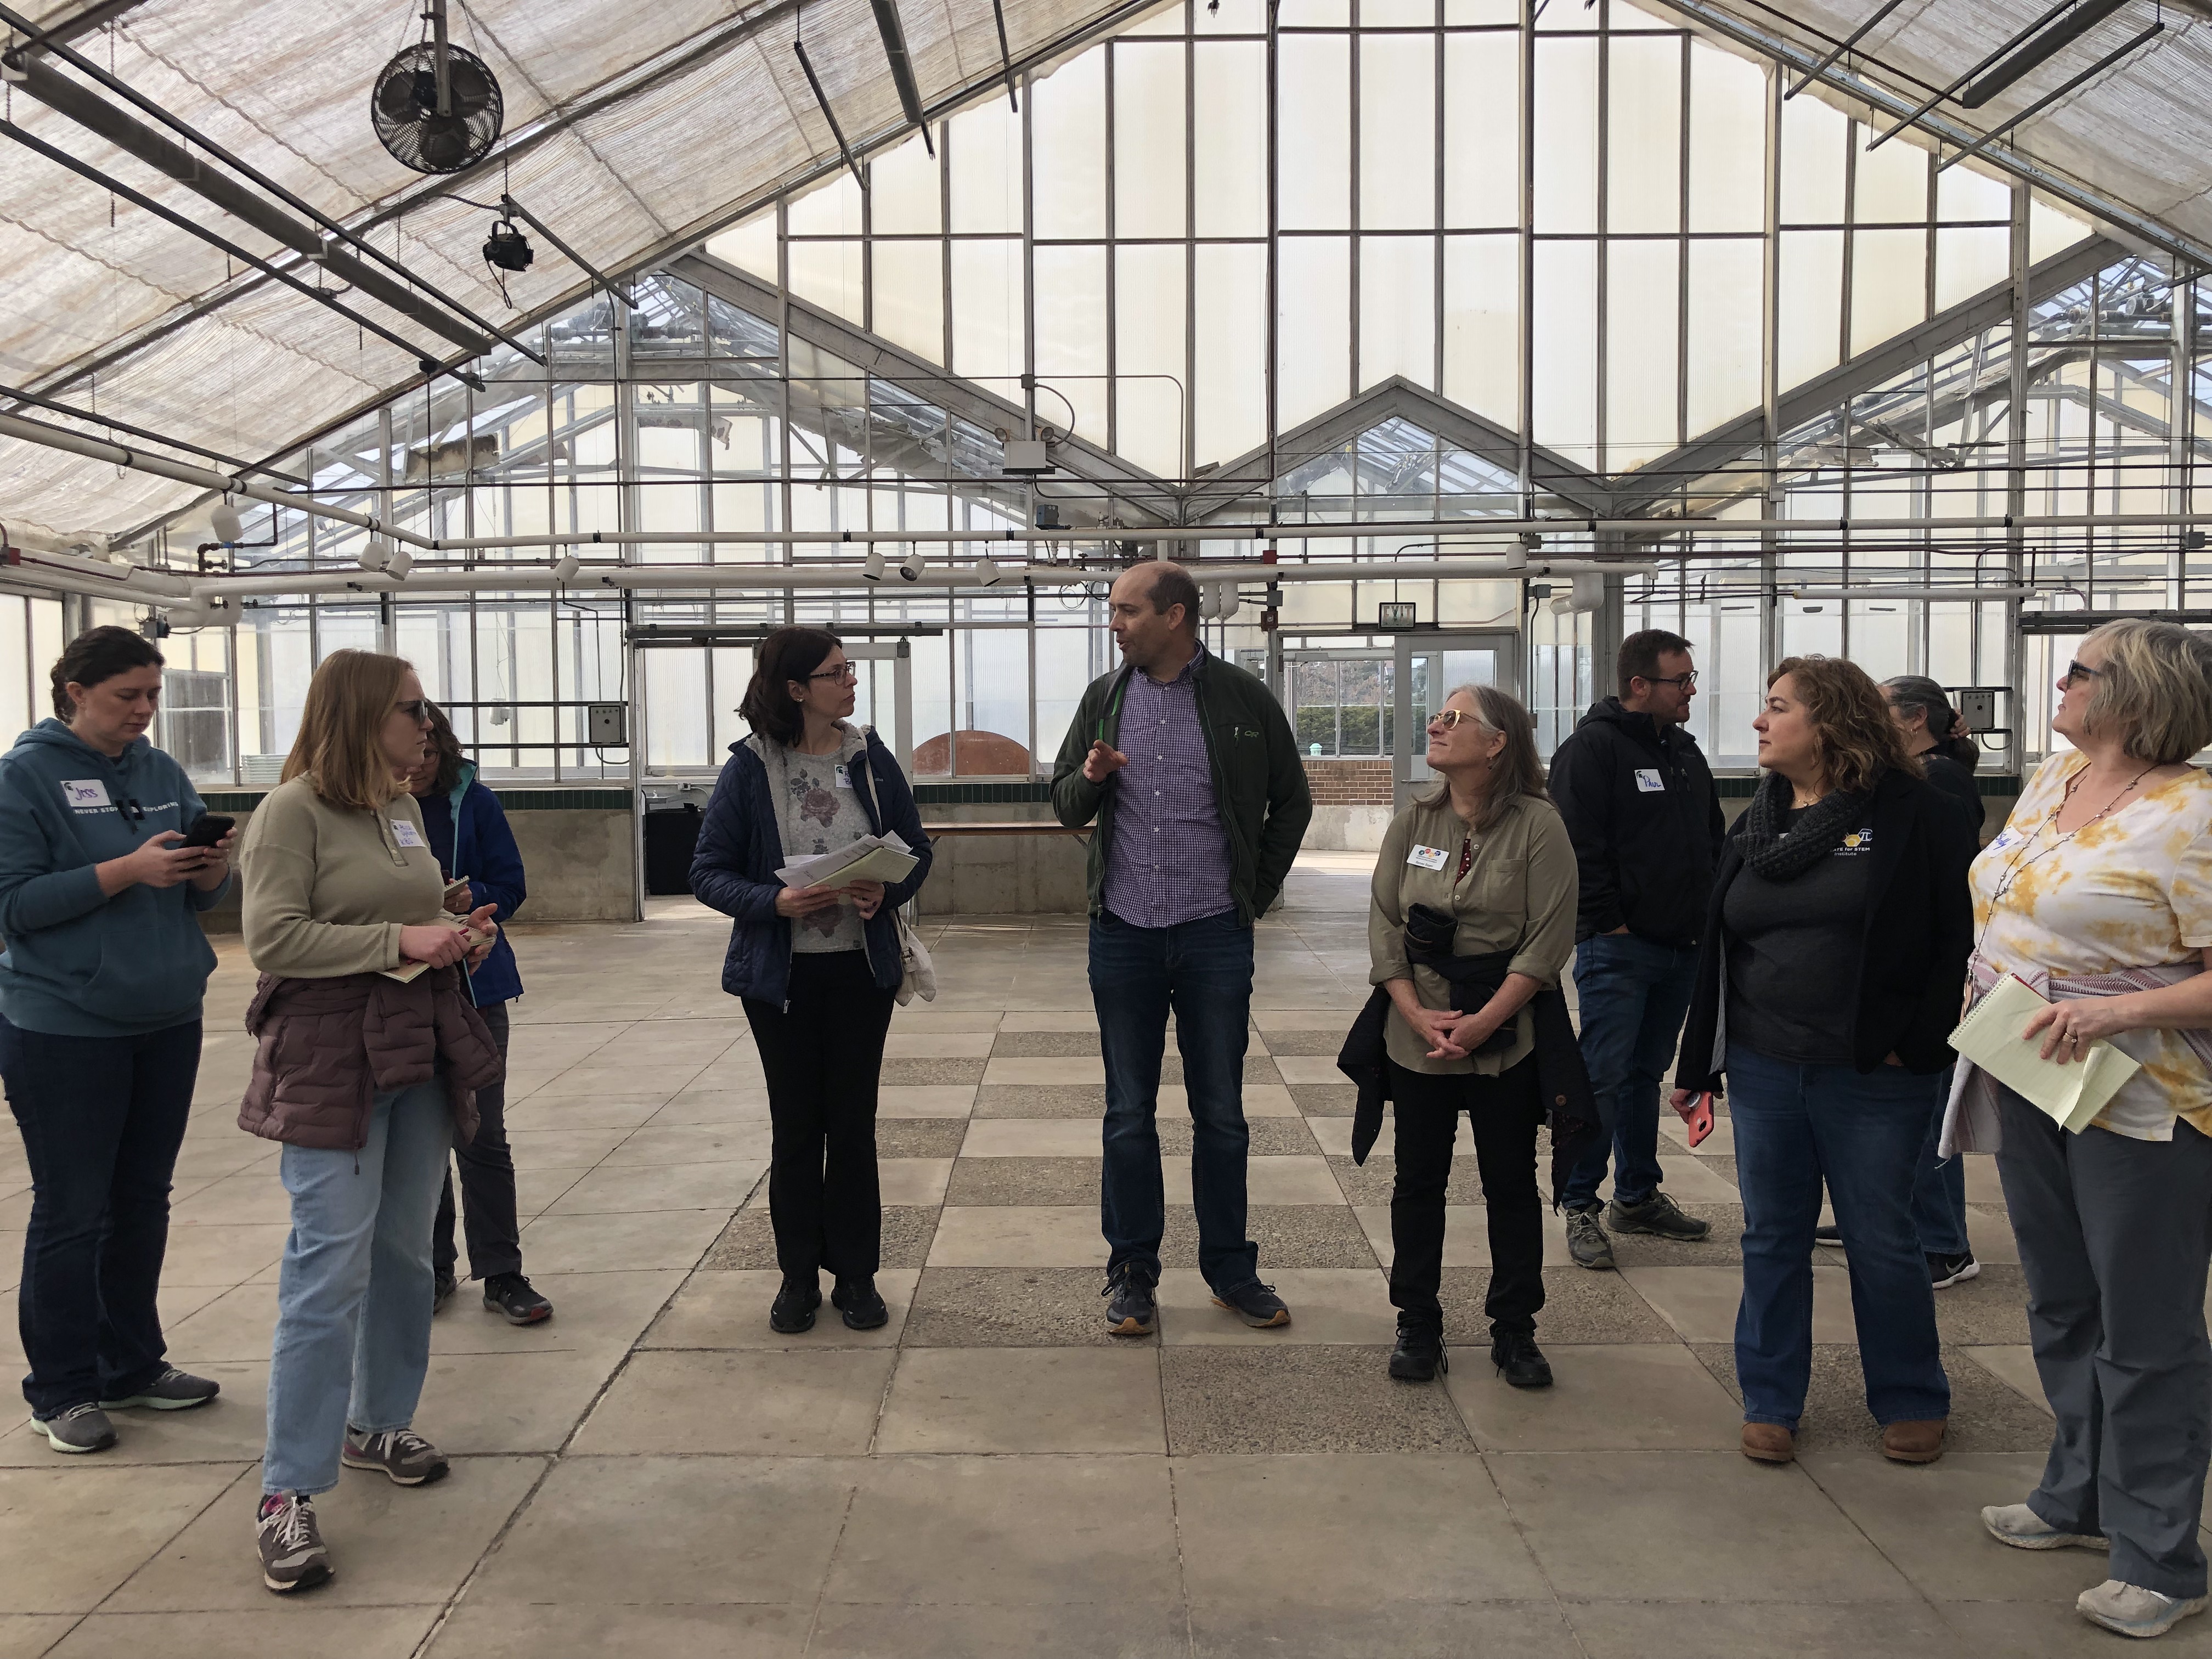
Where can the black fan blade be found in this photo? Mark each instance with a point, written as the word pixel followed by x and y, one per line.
pixel 395 95
pixel 473 88
pixel 447 144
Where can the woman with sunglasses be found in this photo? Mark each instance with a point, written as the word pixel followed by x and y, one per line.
pixel 2099 893
pixel 817 966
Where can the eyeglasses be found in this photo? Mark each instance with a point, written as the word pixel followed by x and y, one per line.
pixel 2075 671
pixel 1682 681
pixel 1451 718
pixel 848 673
pixel 416 708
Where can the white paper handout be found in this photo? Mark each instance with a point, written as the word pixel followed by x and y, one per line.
pixel 2069 1093
pixel 882 858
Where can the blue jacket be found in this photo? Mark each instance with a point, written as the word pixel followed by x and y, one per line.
pixel 79 963
pixel 734 870
pixel 482 849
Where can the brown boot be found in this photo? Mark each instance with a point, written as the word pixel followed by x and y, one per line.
pixel 1913 1443
pixel 1769 1443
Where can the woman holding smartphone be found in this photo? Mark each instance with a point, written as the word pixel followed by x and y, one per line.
pixel 99 1030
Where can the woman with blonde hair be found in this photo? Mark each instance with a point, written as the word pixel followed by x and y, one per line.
pixel 369 1053
pixel 1827 983
pixel 2099 893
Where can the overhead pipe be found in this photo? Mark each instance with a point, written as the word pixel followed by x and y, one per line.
pixel 902 66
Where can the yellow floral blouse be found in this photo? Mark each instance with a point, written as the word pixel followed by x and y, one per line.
pixel 2133 889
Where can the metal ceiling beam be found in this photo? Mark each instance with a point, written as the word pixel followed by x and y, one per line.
pixel 1714 18
pixel 83 23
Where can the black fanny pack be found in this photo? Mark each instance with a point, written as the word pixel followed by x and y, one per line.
pixel 1430 936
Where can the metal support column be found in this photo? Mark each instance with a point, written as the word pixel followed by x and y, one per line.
pixel 2016 485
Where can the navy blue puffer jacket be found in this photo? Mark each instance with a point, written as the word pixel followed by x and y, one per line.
pixel 734 870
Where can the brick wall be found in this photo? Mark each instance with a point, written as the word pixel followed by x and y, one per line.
pixel 1349 782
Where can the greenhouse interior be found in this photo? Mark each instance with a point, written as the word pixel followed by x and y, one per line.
pixel 571 353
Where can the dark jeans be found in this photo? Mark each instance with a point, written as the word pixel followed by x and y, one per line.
pixel 102 1118
pixel 1632 995
pixel 2115 1234
pixel 1939 1190
pixel 823 1053
pixel 1506 1111
pixel 487 1182
pixel 1796 1125
pixel 1202 971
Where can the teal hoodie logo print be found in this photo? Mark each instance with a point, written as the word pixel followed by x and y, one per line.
pixel 78 963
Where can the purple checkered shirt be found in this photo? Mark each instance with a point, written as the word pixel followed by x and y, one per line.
pixel 1168 859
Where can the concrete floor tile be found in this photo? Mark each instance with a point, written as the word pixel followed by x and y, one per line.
pixel 717 1309
pixel 688 1143
pixel 613 1243
pixel 1063 1182
pixel 1466 1235
pixel 1058 1070
pixel 1017 1518
pixel 1030 1045
pixel 1018 1235
pixel 1021 1138
pixel 1983 1186
pixel 1700 1303
pixel 983 1631
pixel 214 1254
pixel 1301 1535
pixel 713 1106
pixel 929 1100
pixel 1082 1019
pixel 1579 1306
pixel 535 1189
pixel 610 1532
pixel 600 1076
pixel 1328 1305
pixel 915 1044
pixel 30 1635
pixel 594 1312
pixel 1732 1630
pixel 1635 1396
pixel 230 1428
pixel 2039 1630
pixel 1024 1400
pixel 1764 1534
pixel 1288 1235
pixel 1308 1068
pixel 1294 1180
pixel 914 1180
pixel 1305 1397
pixel 559 1148
pixel 1989 1234
pixel 1267 1137
pixel 1011 1308
pixel 68 1536
pixel 251 1197
pixel 785 1403
pixel 1261 1100
pixel 2014 1367
pixel 1404 1629
pixel 1073 1100
pixel 910 1073
pixel 1335 1134
pixel 615 1188
pixel 1721 1246
pixel 546 1112
pixel 925 1017
pixel 563 1630
pixel 328 1632
pixel 920 1137
pixel 390 1545
pixel 1991 1307
pixel 748 1241
pixel 236 1325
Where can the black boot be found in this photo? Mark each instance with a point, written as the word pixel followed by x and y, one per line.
pixel 1419 1354
pixel 1519 1360
pixel 794 1307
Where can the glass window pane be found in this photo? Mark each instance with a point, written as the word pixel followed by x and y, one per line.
pixel 987 311
pixel 2051 230
pixel 1963 193
pixel 829 273
pixel 1232 351
pixel 1313 371
pixel 1970 262
pixel 903 191
pixel 1482 304
pixel 1643 280
pixel 1148 329
pixel 1563 319
pixel 1813 140
pixel 749 246
pixel 1727 142
pixel 831 209
pixel 1313 154
pixel 1397 122
pixel 1723 358
pixel 1811 297
pixel 1566 135
pixel 1067 139
pixel 1889 284
pixel 1230 138
pixel 1482 130
pixel 1644 140
pixel 909 279
pixel 1397 309
pixel 1890 185
pixel 1071 346
pixel 1148 139
pixel 983 154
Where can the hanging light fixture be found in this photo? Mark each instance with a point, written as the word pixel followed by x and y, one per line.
pixel 872 566
pixel 910 570
pixel 566 566
pixel 986 572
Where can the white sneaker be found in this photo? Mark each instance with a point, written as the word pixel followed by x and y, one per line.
pixel 2134 1611
pixel 2024 1529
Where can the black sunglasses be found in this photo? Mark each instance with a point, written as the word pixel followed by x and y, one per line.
pixel 2074 672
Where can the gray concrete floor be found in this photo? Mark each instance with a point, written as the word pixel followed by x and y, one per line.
pixel 656 1471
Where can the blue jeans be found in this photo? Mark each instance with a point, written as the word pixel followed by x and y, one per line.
pixel 354 1297
pixel 102 1118
pixel 1202 971
pixel 1796 1125
pixel 1633 993
pixel 1939 1190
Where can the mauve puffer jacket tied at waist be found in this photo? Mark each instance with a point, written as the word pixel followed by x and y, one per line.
pixel 326 1048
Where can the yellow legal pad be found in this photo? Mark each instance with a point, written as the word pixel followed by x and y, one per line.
pixel 2071 1093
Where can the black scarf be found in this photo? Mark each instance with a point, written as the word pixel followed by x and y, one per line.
pixel 1783 854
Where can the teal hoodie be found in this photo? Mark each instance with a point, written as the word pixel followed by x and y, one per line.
pixel 78 963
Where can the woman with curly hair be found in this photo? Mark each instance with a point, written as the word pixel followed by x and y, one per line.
pixel 1828 981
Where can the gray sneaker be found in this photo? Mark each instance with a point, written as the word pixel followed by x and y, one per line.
pixel 290 1544
pixel 1657 1215
pixel 2134 1611
pixel 404 1454
pixel 2024 1529
pixel 1586 1239
pixel 80 1429
pixel 171 1391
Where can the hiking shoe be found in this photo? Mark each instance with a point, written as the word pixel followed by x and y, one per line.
pixel 2134 1611
pixel 404 1454
pixel 1519 1360
pixel 1586 1239
pixel 1657 1215
pixel 1419 1354
pixel 1769 1442
pixel 509 1296
pixel 1913 1441
pixel 1949 1270
pixel 857 1299
pixel 80 1429
pixel 1832 1236
pixel 1134 1311
pixel 291 1544
pixel 1255 1303
pixel 171 1391
pixel 442 1291
pixel 2024 1529
pixel 794 1309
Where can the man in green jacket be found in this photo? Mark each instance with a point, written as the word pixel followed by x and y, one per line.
pixel 1191 772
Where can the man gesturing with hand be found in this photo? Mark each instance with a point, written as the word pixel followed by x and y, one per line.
pixel 1191 776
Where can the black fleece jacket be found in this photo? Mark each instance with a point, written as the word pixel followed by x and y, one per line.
pixel 1640 807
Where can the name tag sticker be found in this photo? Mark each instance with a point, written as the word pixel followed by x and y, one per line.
pixel 844 779
pixel 407 834
pixel 2004 839
pixel 1648 781
pixel 85 792
pixel 1428 858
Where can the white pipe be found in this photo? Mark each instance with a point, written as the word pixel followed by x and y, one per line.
pixel 1966 595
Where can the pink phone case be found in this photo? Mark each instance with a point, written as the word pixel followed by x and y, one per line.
pixel 1701 1119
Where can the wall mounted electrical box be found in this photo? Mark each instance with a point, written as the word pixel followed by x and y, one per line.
pixel 607 724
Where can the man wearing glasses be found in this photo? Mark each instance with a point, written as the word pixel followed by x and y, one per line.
pixel 1645 819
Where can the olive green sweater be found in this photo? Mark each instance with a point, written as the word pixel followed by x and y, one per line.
pixel 326 889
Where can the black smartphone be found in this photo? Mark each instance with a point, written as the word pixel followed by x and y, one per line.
pixel 207 829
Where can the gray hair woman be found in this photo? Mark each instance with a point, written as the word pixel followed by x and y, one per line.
pixel 2099 893
pixel 1485 847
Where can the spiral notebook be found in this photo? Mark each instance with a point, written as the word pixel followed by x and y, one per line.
pixel 2069 1093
